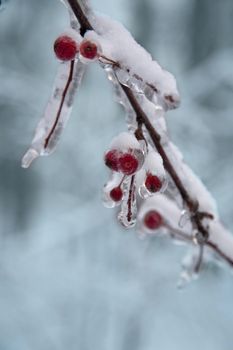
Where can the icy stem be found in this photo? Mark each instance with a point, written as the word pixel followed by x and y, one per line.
pixel 57 112
pixel 128 214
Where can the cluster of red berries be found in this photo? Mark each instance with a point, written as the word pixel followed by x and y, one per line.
pixel 66 48
pixel 128 163
pixel 125 162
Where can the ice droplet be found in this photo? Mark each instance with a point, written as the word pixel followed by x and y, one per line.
pixel 188 272
pixel 185 278
pixel 28 158
pixel 123 77
pixel 134 83
pixel 184 218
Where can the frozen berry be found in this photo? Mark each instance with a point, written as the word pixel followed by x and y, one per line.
pixel 128 164
pixel 116 194
pixel 65 48
pixel 111 160
pixel 153 220
pixel 153 183
pixel 88 49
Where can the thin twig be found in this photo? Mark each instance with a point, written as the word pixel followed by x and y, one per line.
pixel 69 80
pixel 81 17
pixel 130 198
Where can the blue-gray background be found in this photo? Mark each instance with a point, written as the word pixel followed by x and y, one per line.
pixel 70 277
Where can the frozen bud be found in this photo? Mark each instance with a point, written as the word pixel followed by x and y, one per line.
pixel 65 48
pixel 89 49
pixel 153 220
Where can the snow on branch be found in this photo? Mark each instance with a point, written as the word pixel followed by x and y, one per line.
pixel 149 182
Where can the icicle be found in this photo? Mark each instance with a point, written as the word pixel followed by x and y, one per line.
pixel 57 112
pixel 190 267
pixel 134 83
pixel 184 218
pixel 128 213
pixel 121 98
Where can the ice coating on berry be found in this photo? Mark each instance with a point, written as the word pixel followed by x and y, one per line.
pixel 65 48
pixel 153 220
pixel 153 183
pixel 116 194
pixel 88 49
pixel 128 164
pixel 114 181
pixel 111 160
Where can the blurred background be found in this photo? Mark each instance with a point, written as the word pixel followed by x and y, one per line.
pixel 70 277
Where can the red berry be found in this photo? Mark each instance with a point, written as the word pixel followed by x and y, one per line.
pixel 111 159
pixel 153 183
pixel 88 49
pixel 65 48
pixel 128 164
pixel 153 220
pixel 116 194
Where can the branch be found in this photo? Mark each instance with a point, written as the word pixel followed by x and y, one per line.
pixel 191 203
pixel 155 137
pixel 80 15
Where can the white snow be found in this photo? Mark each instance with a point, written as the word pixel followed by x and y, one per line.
pixel 119 45
pixel 125 141
pixel 154 163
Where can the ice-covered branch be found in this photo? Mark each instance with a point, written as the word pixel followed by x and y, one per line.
pixel 149 182
pixel 199 216
pixel 57 112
